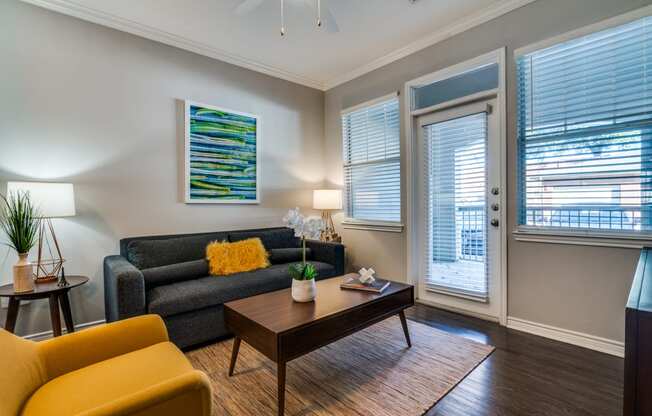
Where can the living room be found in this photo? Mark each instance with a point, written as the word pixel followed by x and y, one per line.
pixel 181 214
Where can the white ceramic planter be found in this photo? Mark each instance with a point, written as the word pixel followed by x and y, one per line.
pixel 304 290
pixel 23 274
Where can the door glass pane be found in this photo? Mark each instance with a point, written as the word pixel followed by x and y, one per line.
pixel 456 178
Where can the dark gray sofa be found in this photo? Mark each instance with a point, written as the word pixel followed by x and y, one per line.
pixel 168 275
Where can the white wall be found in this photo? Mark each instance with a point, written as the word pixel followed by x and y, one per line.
pixel 99 108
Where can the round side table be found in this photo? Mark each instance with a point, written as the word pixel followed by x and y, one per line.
pixel 56 295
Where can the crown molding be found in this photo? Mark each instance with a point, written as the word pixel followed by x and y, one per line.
pixel 135 28
pixel 70 8
pixel 444 33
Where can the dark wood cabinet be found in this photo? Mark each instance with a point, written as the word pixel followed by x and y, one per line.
pixel 638 341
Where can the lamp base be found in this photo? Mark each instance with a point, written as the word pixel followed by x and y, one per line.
pixel 329 234
pixel 45 279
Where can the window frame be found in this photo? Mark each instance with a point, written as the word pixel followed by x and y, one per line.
pixel 564 235
pixel 364 224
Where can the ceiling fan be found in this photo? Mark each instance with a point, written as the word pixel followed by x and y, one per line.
pixel 324 16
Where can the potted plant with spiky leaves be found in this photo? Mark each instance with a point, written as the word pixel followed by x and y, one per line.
pixel 19 219
pixel 303 274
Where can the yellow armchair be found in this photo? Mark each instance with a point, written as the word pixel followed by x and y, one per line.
pixel 123 368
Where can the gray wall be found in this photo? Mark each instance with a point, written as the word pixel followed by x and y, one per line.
pixel 96 107
pixel 577 288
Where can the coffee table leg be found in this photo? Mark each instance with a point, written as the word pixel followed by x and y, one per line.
pixel 405 328
pixel 280 380
pixel 54 315
pixel 234 354
pixel 12 314
pixel 67 313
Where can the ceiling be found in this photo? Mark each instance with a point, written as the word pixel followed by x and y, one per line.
pixel 371 33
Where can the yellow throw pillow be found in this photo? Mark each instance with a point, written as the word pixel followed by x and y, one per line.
pixel 241 256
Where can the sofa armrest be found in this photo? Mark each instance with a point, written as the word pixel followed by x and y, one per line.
pixel 70 352
pixel 124 289
pixel 187 394
pixel 327 252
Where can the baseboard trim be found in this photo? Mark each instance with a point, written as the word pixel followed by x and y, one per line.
pixel 460 311
pixel 40 336
pixel 592 342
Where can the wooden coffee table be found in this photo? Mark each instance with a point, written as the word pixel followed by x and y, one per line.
pixel 283 330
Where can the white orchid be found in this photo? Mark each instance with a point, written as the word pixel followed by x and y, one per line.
pixel 293 219
pixel 303 227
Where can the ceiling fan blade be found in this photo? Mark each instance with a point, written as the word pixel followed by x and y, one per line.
pixel 247 6
pixel 327 17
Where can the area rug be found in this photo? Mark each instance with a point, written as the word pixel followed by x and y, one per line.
pixel 371 372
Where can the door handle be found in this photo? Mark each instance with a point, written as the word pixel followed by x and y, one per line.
pixel 495 222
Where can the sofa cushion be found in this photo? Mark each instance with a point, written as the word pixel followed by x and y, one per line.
pixel 271 238
pixel 88 388
pixel 148 253
pixel 172 273
pixel 210 291
pixel 288 255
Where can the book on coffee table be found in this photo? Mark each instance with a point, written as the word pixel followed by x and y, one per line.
pixel 352 281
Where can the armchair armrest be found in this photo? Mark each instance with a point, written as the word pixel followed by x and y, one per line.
pixel 188 394
pixel 124 289
pixel 70 352
pixel 331 253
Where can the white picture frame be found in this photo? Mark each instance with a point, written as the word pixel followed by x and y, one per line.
pixel 241 195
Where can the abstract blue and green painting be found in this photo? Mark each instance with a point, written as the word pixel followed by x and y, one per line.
pixel 222 156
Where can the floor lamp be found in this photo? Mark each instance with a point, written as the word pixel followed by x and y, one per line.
pixel 53 200
pixel 328 200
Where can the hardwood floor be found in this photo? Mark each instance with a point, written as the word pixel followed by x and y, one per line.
pixel 527 374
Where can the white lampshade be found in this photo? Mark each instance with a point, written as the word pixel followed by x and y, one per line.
pixel 51 199
pixel 324 199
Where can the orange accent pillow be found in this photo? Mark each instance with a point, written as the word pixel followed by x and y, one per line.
pixel 241 256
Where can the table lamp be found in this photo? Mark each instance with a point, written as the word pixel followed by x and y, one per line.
pixel 328 200
pixel 53 200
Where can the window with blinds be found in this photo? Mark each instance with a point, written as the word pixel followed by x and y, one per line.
pixel 585 132
pixel 456 176
pixel 372 166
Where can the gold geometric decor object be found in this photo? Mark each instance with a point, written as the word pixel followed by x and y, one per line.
pixel 48 269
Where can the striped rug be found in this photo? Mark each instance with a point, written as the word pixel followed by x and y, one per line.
pixel 371 372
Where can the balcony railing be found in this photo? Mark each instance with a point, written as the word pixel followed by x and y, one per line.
pixel 471 230
pixel 603 217
pixel 470 223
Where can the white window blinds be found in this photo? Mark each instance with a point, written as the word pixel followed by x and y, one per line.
pixel 455 176
pixel 372 166
pixel 585 131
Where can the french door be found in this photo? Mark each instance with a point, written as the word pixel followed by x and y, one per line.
pixel 458 194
